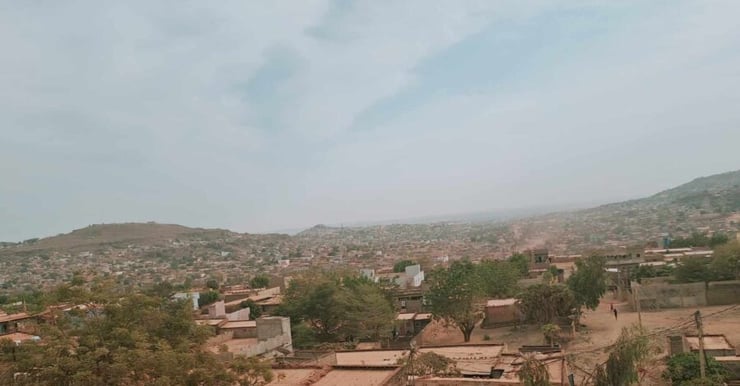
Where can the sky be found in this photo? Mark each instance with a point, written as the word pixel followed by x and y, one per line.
pixel 258 116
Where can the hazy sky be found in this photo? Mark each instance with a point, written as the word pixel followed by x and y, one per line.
pixel 264 115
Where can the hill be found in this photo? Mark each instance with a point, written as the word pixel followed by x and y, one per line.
pixel 706 204
pixel 106 234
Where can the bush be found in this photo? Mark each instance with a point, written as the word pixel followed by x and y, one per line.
pixel 683 370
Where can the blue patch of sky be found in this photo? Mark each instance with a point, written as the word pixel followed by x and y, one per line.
pixel 503 56
pixel 265 91
pixel 326 29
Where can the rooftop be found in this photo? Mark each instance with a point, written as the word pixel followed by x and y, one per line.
pixel 711 342
pixel 365 377
pixel 500 302
pixel 14 317
pixel 240 324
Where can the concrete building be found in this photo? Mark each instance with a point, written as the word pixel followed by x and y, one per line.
pixel 193 296
pixel 501 312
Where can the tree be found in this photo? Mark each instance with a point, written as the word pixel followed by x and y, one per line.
pixel 255 311
pixel 545 303
pixel 212 283
pixel 428 363
pixel 337 307
pixel 133 339
pixel 533 372
pixel 456 296
pixel 693 270
pixel 498 278
pixel 588 282
pixel 552 333
pixel 206 298
pixel 683 369
pixel 260 281
pixel 629 354
pixel 369 312
pixel 251 371
pixel 521 262
pixel 725 263
pixel 400 266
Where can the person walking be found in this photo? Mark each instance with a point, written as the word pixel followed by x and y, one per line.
pixel 615 314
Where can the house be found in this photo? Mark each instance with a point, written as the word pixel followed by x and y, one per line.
pixel 19 337
pixel 10 323
pixel 478 364
pixel 410 299
pixel 715 345
pixel 270 336
pixel 193 296
pixel 411 277
pixel 539 259
pixel 369 274
pixel 415 275
pixel 239 329
pixel 410 324
pixel 501 312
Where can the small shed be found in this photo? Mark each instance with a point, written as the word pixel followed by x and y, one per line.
pixel 501 312
pixel 241 329
pixel 714 345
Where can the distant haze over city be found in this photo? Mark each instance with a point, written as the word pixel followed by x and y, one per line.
pixel 266 116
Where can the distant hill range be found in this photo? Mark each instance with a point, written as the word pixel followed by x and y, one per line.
pixel 707 203
pixel 102 234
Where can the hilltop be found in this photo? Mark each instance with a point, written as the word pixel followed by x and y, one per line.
pixel 107 234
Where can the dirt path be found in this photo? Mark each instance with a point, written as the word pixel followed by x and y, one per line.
pixel 601 330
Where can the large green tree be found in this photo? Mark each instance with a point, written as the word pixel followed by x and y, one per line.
pixel 125 339
pixel 693 270
pixel 588 282
pixel 725 263
pixel 260 281
pixel 544 303
pixel 521 262
pixel 337 306
pixel 499 278
pixel 457 295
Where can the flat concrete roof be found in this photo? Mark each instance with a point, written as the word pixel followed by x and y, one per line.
pixel 14 317
pixel 19 337
pixel 370 357
pixel 290 377
pixel 500 302
pixel 209 322
pixel 406 316
pixel 240 324
pixel 423 316
pixel 359 377
pixel 711 342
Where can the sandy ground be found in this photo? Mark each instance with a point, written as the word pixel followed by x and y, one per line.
pixel 601 329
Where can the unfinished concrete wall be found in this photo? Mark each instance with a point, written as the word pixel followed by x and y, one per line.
pixel 721 293
pixel 242 314
pixel 217 310
pixel 272 326
pixel 220 338
pixel 656 294
pixel 502 316
pixel 663 295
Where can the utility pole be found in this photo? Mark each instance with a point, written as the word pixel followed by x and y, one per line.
pixel 636 291
pixel 702 359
